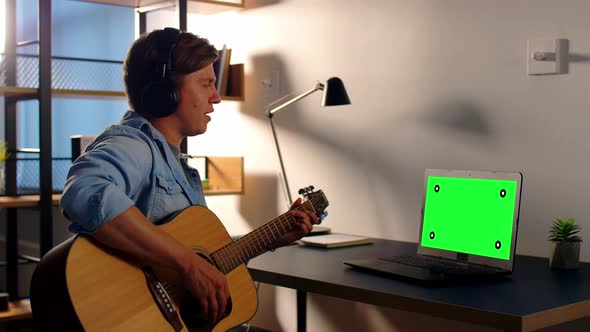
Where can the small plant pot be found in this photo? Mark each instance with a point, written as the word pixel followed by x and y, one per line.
pixel 564 255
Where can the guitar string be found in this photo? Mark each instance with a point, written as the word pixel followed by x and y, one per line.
pixel 248 246
pixel 284 221
pixel 172 289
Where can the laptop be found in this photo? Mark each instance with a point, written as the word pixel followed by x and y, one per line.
pixel 468 229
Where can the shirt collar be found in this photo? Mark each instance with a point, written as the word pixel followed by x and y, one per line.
pixel 175 151
pixel 137 121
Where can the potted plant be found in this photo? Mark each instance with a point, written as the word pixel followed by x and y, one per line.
pixel 4 154
pixel 565 244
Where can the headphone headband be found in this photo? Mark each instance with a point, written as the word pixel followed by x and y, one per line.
pixel 166 45
pixel 160 97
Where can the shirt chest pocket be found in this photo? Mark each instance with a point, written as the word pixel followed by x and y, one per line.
pixel 170 198
pixel 169 186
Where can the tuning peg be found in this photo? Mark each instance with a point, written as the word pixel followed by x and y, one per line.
pixel 306 190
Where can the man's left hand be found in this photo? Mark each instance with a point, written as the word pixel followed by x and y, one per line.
pixel 302 227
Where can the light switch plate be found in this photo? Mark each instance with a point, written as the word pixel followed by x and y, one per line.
pixel 557 51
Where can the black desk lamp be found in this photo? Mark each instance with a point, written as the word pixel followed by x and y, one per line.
pixel 334 95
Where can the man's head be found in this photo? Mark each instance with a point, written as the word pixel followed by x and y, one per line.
pixel 147 62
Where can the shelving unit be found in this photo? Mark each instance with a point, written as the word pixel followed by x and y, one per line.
pixel 139 4
pixel 17 310
pixel 32 93
pixel 16 92
pixel 236 71
pixel 23 201
pixel 225 174
pixel 20 309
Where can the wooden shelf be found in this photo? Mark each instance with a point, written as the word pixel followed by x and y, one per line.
pixel 13 91
pixel 147 3
pixel 225 174
pixel 235 85
pixel 17 310
pixel 228 3
pixel 235 89
pixel 25 201
pixel 219 192
pixel 34 200
pixel 88 93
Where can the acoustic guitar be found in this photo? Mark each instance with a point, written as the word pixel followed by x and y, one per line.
pixel 81 285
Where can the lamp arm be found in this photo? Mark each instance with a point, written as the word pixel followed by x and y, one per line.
pixel 270 113
pixel 274 135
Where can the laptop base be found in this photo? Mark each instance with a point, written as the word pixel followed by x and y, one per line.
pixel 418 275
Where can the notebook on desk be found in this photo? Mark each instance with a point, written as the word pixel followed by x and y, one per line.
pixel 468 229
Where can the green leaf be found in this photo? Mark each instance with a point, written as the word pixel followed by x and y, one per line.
pixel 564 230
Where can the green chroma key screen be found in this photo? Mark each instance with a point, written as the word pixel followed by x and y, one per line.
pixel 468 215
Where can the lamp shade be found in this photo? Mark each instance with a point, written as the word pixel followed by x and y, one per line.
pixel 335 93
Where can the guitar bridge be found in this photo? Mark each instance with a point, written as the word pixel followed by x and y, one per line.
pixel 162 299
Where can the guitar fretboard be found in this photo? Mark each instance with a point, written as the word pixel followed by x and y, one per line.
pixel 256 242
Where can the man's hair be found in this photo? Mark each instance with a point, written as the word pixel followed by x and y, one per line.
pixel 142 63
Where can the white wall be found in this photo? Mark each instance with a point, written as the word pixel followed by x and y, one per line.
pixel 439 84
pixel 433 84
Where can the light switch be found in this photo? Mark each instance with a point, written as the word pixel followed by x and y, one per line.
pixel 274 82
pixel 547 56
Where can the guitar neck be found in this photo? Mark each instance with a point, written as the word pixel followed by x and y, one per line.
pixel 256 242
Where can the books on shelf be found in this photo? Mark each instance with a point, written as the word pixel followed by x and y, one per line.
pixel 335 240
pixel 230 77
pixel 221 69
pixel 235 77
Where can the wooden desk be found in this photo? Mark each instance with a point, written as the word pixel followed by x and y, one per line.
pixel 534 297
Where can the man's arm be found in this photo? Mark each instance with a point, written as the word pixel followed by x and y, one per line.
pixel 132 233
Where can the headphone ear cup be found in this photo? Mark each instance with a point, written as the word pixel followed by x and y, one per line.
pixel 160 98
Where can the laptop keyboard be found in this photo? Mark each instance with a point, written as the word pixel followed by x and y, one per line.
pixel 443 266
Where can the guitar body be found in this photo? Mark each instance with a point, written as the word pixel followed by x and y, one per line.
pixel 101 290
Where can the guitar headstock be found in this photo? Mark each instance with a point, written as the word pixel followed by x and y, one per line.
pixel 317 199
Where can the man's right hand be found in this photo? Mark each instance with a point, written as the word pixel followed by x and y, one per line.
pixel 209 287
pixel 131 232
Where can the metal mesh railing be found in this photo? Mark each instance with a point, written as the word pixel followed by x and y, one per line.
pixel 67 73
pixel 27 175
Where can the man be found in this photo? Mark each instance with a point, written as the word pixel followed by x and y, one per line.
pixel 131 176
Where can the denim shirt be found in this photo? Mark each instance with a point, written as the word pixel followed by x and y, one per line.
pixel 128 164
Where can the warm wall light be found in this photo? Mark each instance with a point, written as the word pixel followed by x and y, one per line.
pixel 334 95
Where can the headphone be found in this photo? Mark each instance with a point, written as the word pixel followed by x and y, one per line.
pixel 160 96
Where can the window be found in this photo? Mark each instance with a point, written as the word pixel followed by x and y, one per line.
pixel 81 32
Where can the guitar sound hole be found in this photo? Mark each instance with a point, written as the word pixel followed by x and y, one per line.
pixel 192 317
